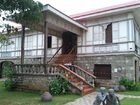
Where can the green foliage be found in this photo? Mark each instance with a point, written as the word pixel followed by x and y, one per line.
pixel 138 86
pixel 4 40
pixel 130 84
pixel 9 84
pixel 31 98
pixel 8 73
pixel 7 70
pixel 26 12
pixel 29 13
pixel 59 86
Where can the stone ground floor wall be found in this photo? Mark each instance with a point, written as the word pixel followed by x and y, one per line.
pixel 38 83
pixel 34 82
pixel 122 65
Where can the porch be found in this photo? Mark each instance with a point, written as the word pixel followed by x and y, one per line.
pixel 37 76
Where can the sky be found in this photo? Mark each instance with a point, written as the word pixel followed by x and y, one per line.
pixel 70 7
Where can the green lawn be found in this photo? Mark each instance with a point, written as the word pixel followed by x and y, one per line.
pixel 130 101
pixel 31 98
pixel 134 93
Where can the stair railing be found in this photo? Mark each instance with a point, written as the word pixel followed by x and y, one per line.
pixel 90 73
pixel 89 77
pixel 66 72
pixel 69 54
pixel 55 54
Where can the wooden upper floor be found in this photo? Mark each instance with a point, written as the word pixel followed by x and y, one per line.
pixel 113 31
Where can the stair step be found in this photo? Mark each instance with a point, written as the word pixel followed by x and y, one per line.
pixel 64 58
pixel 87 91
pixel 74 80
pixel 86 86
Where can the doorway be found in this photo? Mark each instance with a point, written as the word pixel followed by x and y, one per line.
pixel 69 43
pixel 4 66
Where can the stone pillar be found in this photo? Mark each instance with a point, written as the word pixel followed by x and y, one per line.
pixel 45 44
pixel 22 44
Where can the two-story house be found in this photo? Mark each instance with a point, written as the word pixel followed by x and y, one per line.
pixel 105 41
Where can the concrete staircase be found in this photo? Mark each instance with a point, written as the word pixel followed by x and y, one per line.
pixel 80 82
pixel 81 79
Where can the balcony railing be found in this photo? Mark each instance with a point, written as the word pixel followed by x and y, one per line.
pixel 28 52
pixel 107 48
pixel 84 49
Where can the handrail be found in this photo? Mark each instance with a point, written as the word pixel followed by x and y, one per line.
pixel 85 71
pixel 62 66
pixel 69 53
pixel 78 81
pixel 55 54
pixel 72 49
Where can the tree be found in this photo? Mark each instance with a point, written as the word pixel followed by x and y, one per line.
pixel 6 7
pixel 26 12
pixel 29 14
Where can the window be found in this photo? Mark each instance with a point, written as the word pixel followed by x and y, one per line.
pixel 54 41
pixel 98 35
pixel 5 54
pixel 79 42
pixel 108 38
pixel 28 42
pixel 49 41
pixel 119 31
pixel 137 37
pixel 34 41
pixel 102 71
pixel 89 36
pixel 40 40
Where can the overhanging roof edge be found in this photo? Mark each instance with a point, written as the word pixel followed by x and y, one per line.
pixel 106 10
pixel 62 15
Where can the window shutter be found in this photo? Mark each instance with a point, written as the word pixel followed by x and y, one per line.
pixel 108 38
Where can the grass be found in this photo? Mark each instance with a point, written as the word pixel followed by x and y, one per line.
pixel 31 98
pixel 134 93
pixel 130 101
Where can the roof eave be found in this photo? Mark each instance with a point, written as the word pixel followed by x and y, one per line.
pixel 106 12
pixel 62 15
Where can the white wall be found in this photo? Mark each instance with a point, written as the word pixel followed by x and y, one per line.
pixel 34 45
pixel 122 35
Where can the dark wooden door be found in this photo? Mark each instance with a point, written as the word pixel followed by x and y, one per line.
pixel 69 42
pixel 102 71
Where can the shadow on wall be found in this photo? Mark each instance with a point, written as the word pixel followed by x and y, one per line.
pixel 3 64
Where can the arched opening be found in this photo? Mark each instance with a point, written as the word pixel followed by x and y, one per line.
pixel 3 66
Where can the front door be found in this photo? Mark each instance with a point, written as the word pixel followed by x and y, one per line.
pixel 69 43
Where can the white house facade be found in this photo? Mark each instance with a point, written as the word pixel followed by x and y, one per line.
pixel 107 42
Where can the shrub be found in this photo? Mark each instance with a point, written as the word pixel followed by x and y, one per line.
pixel 8 73
pixel 129 84
pixel 9 84
pixel 138 86
pixel 59 86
